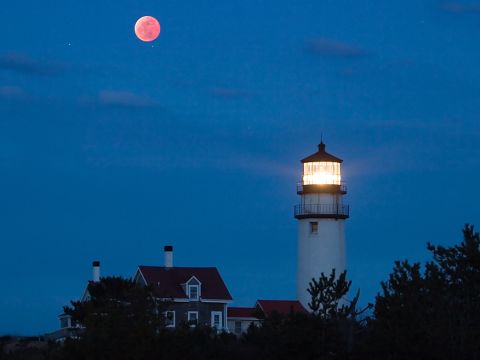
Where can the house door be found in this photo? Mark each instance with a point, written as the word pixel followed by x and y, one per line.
pixel 217 320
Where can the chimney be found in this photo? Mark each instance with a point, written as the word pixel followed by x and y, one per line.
pixel 168 250
pixel 96 271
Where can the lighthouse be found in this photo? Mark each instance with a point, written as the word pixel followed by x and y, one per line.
pixel 321 217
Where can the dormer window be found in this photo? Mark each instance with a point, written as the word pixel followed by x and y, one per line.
pixel 193 292
pixel 193 289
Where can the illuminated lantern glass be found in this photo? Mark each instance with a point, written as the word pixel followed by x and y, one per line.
pixel 321 172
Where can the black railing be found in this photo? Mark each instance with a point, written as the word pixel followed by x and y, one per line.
pixel 300 185
pixel 336 211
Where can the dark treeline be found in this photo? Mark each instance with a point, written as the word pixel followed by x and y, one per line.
pixel 421 312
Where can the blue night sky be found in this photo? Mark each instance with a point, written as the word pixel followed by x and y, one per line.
pixel 111 148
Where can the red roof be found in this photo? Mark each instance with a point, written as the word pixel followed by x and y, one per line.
pixel 167 282
pixel 284 307
pixel 241 312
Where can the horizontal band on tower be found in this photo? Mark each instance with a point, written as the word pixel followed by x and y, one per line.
pixel 321 188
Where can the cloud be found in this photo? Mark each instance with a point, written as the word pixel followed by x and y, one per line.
pixel 326 47
pixel 125 99
pixel 228 93
pixel 23 64
pixel 461 8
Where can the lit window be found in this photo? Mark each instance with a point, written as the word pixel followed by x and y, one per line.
pixel 321 172
pixel 193 318
pixel 193 292
pixel 169 318
pixel 238 327
pixel 313 227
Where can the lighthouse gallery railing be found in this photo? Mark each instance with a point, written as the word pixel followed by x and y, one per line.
pixel 322 209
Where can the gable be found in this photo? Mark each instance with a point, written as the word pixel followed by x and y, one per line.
pixel 139 279
pixel 193 281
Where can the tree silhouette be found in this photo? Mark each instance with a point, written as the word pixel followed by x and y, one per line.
pixel 328 296
pixel 421 312
pixel 434 313
pixel 119 316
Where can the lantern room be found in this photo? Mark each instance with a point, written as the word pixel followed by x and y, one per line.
pixel 321 187
pixel 321 168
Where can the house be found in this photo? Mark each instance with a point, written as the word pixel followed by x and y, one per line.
pixel 240 318
pixel 69 328
pixel 193 295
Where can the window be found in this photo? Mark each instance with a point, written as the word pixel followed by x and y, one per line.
pixel 313 227
pixel 169 318
pixel 65 321
pixel 217 320
pixel 193 318
pixel 193 289
pixel 193 292
pixel 238 327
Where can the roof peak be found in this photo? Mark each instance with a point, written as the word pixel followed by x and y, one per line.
pixel 321 155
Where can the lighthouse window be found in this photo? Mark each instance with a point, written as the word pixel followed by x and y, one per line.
pixel 313 227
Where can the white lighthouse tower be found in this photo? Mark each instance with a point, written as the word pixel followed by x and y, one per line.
pixel 321 215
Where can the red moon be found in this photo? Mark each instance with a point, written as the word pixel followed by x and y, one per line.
pixel 147 28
